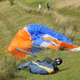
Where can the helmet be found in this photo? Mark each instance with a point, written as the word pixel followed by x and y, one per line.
pixel 58 61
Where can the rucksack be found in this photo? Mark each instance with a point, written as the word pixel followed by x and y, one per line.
pixel 41 67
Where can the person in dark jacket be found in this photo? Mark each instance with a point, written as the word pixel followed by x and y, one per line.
pixel 48 6
pixel 48 66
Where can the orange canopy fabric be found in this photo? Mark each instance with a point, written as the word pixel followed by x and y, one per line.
pixel 38 35
pixel 22 41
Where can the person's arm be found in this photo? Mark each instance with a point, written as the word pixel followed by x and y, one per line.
pixel 22 66
pixel 55 67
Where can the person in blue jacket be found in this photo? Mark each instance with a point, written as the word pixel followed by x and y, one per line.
pixel 47 66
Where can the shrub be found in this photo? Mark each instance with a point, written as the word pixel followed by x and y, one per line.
pixel 11 2
pixel 7 65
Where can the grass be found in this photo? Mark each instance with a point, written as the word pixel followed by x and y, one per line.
pixel 73 12
pixel 14 18
pixel 34 3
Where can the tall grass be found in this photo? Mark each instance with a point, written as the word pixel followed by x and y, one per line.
pixel 68 29
pixel 72 12
pixel 7 65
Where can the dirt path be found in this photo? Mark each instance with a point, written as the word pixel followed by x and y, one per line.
pixel 66 3
pixel 56 16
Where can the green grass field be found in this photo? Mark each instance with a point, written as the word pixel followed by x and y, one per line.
pixel 15 17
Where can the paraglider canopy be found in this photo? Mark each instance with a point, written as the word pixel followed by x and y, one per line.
pixel 39 35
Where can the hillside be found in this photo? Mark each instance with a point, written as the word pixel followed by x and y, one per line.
pixel 63 14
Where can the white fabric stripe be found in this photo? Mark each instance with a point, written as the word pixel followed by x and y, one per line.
pixel 45 44
pixel 55 44
pixel 26 29
pixel 47 35
pixel 75 49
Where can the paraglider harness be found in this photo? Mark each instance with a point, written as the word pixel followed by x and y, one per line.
pixel 47 66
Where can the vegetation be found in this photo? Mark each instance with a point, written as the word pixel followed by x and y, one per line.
pixel 64 19
pixel 11 2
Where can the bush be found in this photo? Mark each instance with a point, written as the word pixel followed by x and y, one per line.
pixel 11 2
pixel 7 65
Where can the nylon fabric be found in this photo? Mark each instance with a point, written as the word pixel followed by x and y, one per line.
pixel 39 35
pixel 41 67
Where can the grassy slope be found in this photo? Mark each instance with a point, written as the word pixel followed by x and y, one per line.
pixel 14 18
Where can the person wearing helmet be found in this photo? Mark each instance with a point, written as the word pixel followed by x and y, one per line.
pixel 57 61
pixel 47 66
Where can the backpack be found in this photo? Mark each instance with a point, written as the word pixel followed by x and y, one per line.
pixel 41 67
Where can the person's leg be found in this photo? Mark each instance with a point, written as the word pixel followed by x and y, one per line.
pixel 22 66
pixel 48 8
